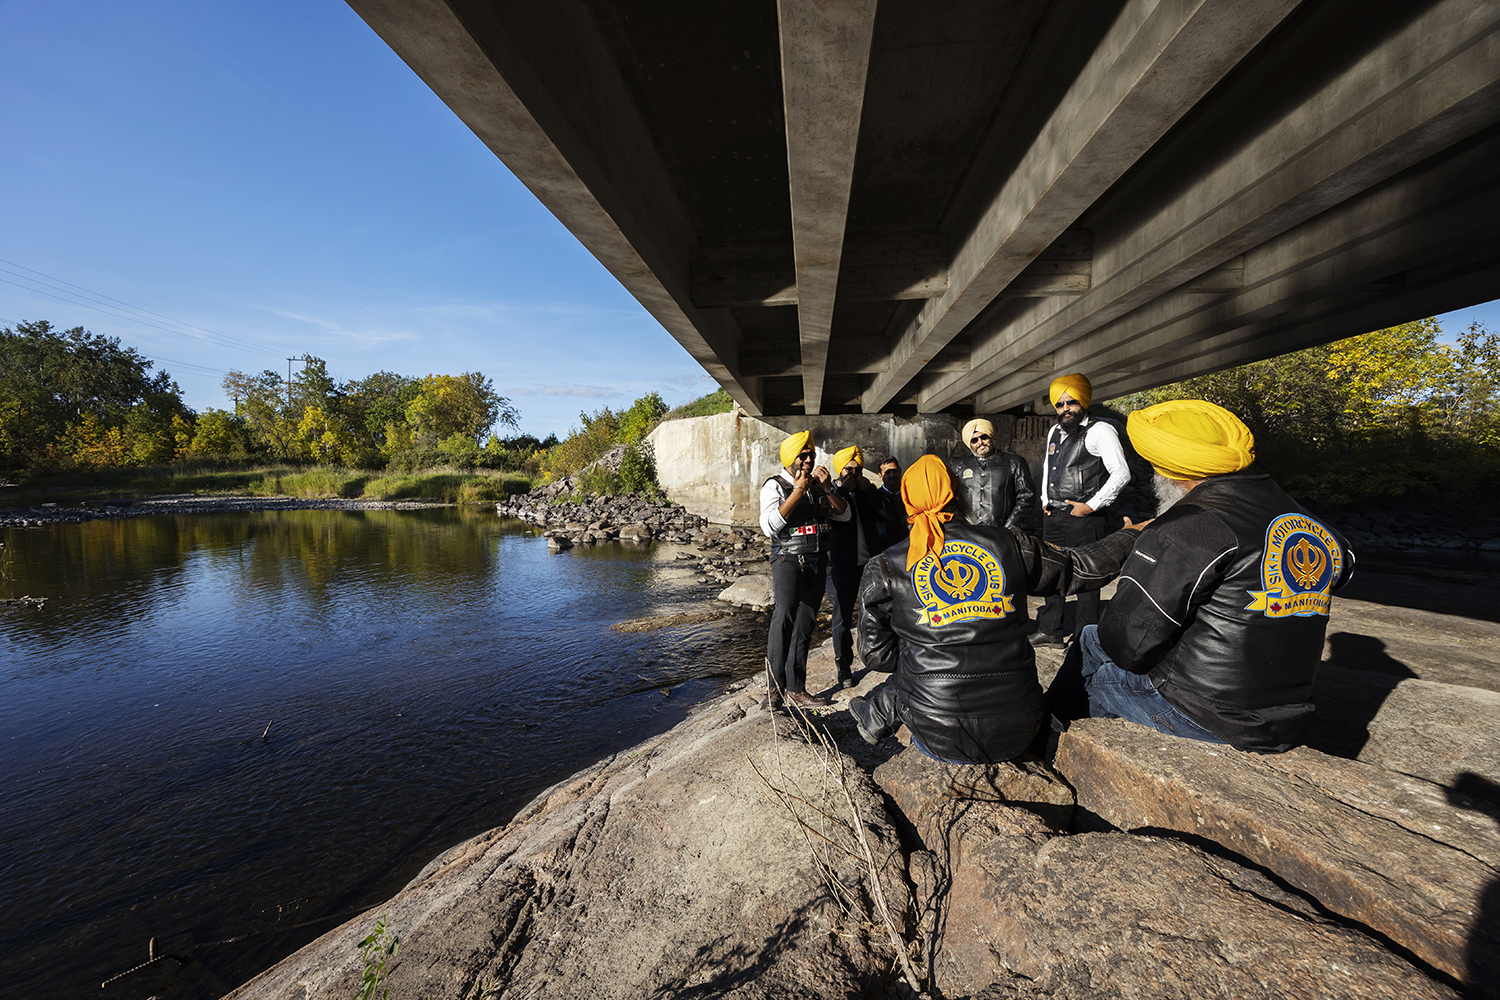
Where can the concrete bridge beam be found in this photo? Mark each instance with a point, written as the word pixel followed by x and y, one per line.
pixel 1157 61
pixel 1430 85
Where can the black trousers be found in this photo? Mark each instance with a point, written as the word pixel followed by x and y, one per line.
pixel 1071 532
pixel 797 582
pixel 842 588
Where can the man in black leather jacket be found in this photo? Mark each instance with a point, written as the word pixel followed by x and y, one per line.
pixel 1216 630
pixel 946 610
pixel 994 486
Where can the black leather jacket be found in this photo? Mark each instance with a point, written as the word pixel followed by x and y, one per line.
pixel 965 679
pixel 996 491
pixel 1225 603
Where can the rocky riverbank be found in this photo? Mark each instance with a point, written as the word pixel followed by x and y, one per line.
pixel 41 515
pixel 745 854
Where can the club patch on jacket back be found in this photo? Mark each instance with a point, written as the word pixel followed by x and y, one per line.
pixel 965 583
pixel 1301 562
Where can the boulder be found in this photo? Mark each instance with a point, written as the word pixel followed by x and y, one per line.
pixel 637 532
pixel 1104 915
pixel 558 543
pixel 1349 834
pixel 670 870
pixel 921 786
pixel 753 590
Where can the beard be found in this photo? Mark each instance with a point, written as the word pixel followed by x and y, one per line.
pixel 1168 492
pixel 1069 421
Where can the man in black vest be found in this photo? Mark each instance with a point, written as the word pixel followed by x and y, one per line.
pixel 1083 471
pixel 993 486
pixel 1216 630
pixel 796 510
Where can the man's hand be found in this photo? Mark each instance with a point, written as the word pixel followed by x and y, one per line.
pixel 820 474
pixel 1080 509
pixel 1131 524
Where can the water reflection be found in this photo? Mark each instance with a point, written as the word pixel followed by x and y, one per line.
pixel 424 674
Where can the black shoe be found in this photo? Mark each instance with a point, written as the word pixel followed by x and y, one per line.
pixel 1046 640
pixel 857 709
pixel 846 679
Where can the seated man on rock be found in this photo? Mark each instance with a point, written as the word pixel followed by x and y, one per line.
pixel 946 610
pixel 1216 630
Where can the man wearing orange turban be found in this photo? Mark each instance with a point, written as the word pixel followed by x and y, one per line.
pixel 797 508
pixel 946 610
pixel 1216 630
pixel 1083 471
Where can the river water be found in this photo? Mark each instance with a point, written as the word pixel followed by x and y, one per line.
pixel 424 674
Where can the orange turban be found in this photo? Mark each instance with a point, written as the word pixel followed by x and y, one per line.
pixel 1191 439
pixel 849 454
pixel 926 489
pixel 1076 385
pixel 794 446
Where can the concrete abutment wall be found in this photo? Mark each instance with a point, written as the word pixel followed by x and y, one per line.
pixel 714 466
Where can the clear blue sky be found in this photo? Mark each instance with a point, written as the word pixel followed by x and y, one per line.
pixel 269 179
pixel 271 173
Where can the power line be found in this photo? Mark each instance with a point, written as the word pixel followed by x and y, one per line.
pixel 80 296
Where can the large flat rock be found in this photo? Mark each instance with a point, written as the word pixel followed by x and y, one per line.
pixel 1114 915
pixel 665 871
pixel 1387 851
pixel 1419 727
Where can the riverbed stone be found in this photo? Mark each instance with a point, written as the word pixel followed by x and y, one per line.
pixel 559 543
pixel 672 870
pixel 638 532
pixel 753 590
pixel 1407 880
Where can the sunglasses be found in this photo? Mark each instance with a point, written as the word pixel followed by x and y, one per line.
pixel 1063 404
pixel 978 438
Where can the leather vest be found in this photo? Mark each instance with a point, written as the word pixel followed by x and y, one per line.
pixel 988 487
pixel 1073 473
pixel 1250 653
pixel 806 531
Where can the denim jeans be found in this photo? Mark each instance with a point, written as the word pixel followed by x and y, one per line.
pixel 1116 693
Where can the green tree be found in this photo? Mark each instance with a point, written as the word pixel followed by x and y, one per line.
pixel 65 390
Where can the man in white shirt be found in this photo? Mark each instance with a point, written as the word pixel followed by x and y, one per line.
pixel 1083 471
pixel 797 507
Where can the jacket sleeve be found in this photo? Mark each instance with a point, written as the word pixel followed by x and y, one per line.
pixel 1176 566
pixel 1025 514
pixel 1052 569
pixel 878 646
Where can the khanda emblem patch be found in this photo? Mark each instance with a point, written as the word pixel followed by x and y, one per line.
pixel 1301 562
pixel 963 584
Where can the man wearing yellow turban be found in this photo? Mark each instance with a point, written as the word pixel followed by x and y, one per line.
pixel 1216 630
pixel 797 509
pixel 946 611
pixel 851 543
pixel 1083 471
pixel 994 486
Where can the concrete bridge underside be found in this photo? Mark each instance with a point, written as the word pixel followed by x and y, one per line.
pixel 937 205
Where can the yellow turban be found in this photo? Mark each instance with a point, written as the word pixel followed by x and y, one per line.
pixel 1191 439
pixel 794 446
pixel 926 489
pixel 1076 385
pixel 849 454
pixel 980 425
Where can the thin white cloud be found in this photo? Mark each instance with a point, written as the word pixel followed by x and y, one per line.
pixel 586 391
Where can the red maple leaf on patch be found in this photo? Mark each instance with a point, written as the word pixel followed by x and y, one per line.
pixel 1276 607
